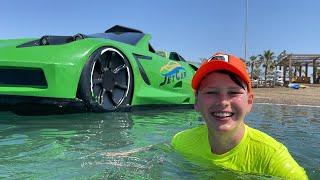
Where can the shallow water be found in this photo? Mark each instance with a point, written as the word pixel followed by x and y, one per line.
pixel 136 144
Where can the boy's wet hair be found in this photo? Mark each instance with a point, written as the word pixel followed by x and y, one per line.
pixel 234 78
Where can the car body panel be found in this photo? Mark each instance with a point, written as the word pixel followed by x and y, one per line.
pixel 157 80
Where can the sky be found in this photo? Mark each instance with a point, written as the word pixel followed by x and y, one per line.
pixel 194 28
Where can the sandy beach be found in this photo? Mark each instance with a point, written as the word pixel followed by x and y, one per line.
pixel 284 95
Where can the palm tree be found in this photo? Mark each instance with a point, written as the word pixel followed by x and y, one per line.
pixel 268 60
pixel 252 64
pixel 257 73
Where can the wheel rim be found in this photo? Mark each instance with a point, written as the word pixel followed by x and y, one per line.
pixel 110 79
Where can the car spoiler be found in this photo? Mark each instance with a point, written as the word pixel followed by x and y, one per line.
pixel 121 29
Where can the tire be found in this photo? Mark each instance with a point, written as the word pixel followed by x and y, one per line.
pixel 106 82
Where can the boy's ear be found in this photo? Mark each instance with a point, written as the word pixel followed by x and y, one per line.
pixel 250 101
pixel 250 98
pixel 196 105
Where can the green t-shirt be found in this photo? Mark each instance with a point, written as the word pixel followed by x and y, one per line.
pixel 257 152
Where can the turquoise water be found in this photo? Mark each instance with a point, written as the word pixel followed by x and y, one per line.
pixel 137 144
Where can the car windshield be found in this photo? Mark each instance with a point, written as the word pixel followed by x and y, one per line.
pixel 127 37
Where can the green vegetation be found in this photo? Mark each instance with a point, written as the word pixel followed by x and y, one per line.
pixel 262 63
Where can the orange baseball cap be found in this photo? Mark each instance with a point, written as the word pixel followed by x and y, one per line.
pixel 221 61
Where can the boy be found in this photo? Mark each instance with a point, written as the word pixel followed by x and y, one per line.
pixel 224 97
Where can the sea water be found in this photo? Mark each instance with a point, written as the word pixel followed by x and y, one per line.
pixel 136 145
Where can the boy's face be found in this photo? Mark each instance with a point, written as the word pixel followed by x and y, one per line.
pixel 222 103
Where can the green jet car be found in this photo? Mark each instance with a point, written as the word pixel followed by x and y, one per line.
pixel 105 71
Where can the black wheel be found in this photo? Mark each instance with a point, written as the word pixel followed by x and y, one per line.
pixel 106 81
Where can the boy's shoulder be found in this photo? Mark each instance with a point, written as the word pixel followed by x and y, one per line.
pixel 190 139
pixel 191 134
pixel 259 138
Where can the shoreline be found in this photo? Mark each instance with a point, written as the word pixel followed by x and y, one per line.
pixel 309 96
pixel 292 105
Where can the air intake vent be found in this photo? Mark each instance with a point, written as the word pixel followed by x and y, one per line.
pixel 23 77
